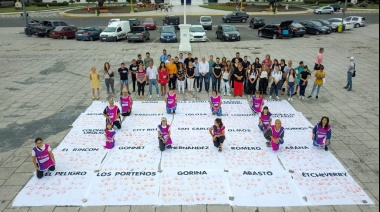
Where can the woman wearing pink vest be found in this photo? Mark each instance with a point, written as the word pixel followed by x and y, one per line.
pixel 218 134
pixel 42 158
pixel 275 135
pixel 171 101
pixel 216 104
pixel 126 103
pixel 164 140
pixel 322 133
pixel 112 114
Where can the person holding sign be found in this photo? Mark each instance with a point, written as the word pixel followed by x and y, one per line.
pixel 126 102
pixel 265 119
pixel 112 113
pixel 216 103
pixel 275 135
pixel 256 102
pixel 109 133
pixel 322 133
pixel 217 133
pixel 164 139
pixel 42 158
pixel 171 101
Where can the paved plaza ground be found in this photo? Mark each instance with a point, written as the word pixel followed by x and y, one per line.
pixel 45 87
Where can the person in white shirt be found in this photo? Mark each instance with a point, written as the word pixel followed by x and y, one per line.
pixel 203 72
pixel 181 59
pixel 277 76
pixel 168 60
pixel 152 73
pixel 350 72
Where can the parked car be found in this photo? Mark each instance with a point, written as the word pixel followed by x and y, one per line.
pixel 227 33
pixel 257 22
pixel 168 34
pixel 314 27
pixel 114 20
pixel 115 31
pixel 44 27
pixel 150 23
pixel 276 30
pixel 333 27
pixel 236 16
pixel 172 20
pixel 134 22
pixel 297 29
pixel 138 33
pixel 335 6
pixel 197 33
pixel 63 32
pixel 347 25
pixel 88 33
pixel 324 10
pixel 206 22
pixel 356 20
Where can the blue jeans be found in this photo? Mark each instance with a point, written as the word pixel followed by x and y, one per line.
pixel 215 112
pixel 261 127
pixel 274 88
pixel 206 78
pixel 151 82
pixel 349 80
pixel 316 144
pixel 169 111
pixel 302 88
pixel 215 83
pixel 290 89
pixel 318 88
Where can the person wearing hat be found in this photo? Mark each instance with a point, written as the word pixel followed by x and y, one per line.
pixel 164 56
pixel 164 139
pixel 126 103
pixel 42 157
pixel 350 72
pixel 112 114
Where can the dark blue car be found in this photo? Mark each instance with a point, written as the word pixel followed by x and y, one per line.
pixel 168 34
pixel 88 33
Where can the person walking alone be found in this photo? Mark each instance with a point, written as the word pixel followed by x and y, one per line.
pixel 350 73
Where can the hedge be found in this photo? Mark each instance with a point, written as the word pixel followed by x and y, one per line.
pixel 320 1
pixel 65 3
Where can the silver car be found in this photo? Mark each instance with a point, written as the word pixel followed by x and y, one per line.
pixel 324 10
pixel 356 20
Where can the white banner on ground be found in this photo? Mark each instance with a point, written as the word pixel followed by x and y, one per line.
pixel 263 188
pixel 58 188
pixel 123 188
pixel 330 187
pixel 87 158
pixel 193 187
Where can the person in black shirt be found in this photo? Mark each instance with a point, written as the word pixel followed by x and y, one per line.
pixel 240 60
pixel 245 65
pixel 123 72
pixel 305 76
pixel 238 80
pixel 133 69
pixel 216 75
pixel 139 60
pixel 188 59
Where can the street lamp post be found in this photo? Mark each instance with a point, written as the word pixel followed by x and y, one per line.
pixel 132 7
pixel 26 19
pixel 241 5
pixel 344 11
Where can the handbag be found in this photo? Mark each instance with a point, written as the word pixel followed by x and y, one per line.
pixel 354 74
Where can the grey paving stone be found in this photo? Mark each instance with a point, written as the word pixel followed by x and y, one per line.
pixel 5 173
pixel 42 209
pixel 297 209
pixel 322 208
pixel 9 192
pixel 4 156
pixel 92 209
pixel 27 166
pixel 18 179
pixel 66 209
pixel 373 188
pixel 16 209
pixel 372 208
pixel 117 208
pixel 219 208
pixel 243 209
pixel 143 209
pixel 351 208
pixel 3 204
pixel 269 209
pixel 176 208
pixel 194 208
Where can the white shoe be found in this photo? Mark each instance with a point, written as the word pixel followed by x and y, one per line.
pixel 229 94
pixel 270 97
pixel 277 97
pixel 291 99
pixel 150 96
pixel 300 97
pixel 288 99
pixel 303 97
pixel 158 95
pixel 224 94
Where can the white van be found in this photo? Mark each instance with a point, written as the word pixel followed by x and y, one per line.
pixel 206 22
pixel 114 20
pixel 115 31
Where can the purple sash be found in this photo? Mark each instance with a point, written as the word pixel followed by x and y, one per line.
pixel 165 134
pixel 43 158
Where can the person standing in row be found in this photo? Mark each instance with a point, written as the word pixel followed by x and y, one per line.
pixel 275 135
pixel 197 74
pixel 299 69
pixel 152 73
pixel 172 71
pixel 290 81
pixel 305 76
pixel 350 73
pixel 141 78
pixel 164 139
pixel 319 76
pixel 322 133
pixel 284 74
pixel 319 59
pixel 217 132
pixel 181 78
pixel 42 158
pixel 277 76
pixel 147 60
pixel 204 74
pixel 209 81
pixel 163 78
pixel 264 79
pixel 216 104
pixel 256 102
pixel 123 73
pixel 133 69
pixel 216 75
pixel 265 119
pixel 190 74
pixel 238 80
pixel 188 59
pixel 112 114
pixel 109 134
pixel 252 76
pixel 126 102
pixel 139 60
pixel 225 81
pixel 164 56
pixel 267 62
pixel 181 59
pixel 109 79
pixel 95 82
pixel 171 101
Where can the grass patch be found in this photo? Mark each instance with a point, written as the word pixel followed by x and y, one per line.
pixel 250 8
pixel 113 9
pixel 30 8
